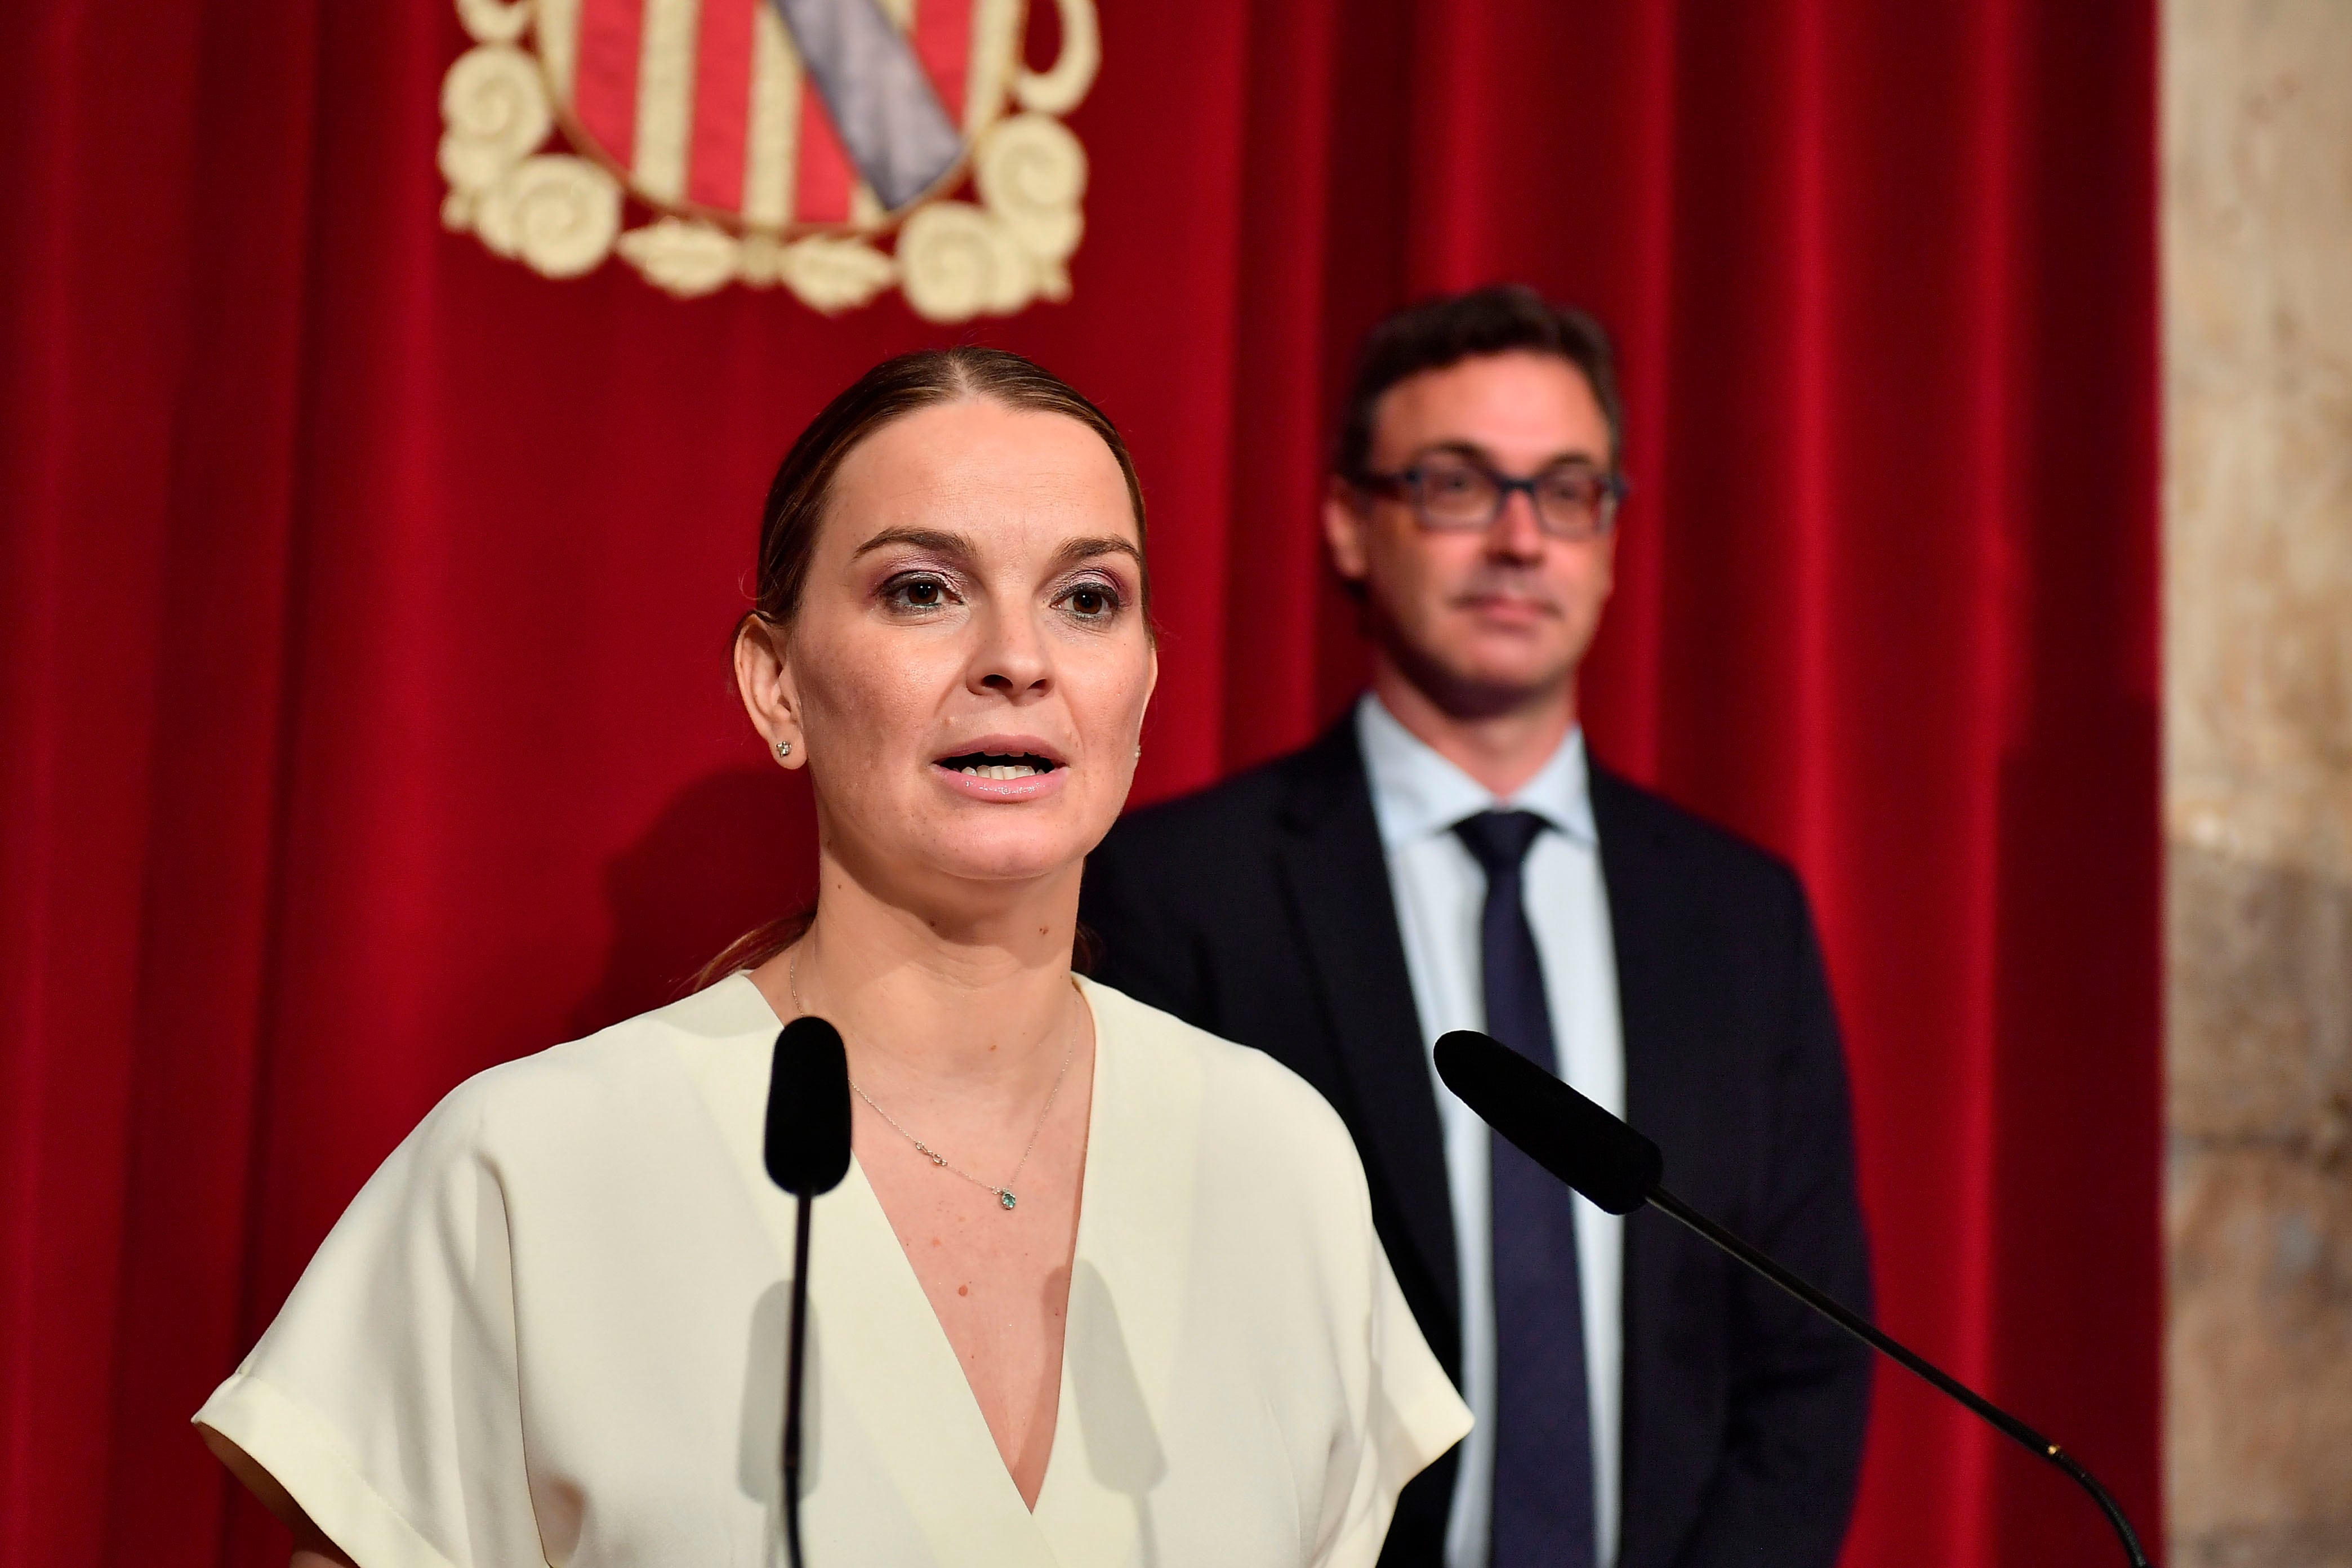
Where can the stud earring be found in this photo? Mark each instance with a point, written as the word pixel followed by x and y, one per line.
pixel 783 749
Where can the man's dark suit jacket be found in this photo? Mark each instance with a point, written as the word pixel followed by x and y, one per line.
pixel 1260 910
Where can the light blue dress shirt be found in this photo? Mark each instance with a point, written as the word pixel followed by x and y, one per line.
pixel 1440 892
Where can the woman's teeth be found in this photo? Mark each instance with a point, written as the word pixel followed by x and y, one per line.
pixel 1001 771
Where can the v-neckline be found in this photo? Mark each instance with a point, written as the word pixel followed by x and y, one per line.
pixel 904 1359
pixel 883 1351
pixel 872 1222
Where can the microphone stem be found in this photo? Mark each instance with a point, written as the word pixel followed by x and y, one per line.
pixel 799 1332
pixel 1868 1333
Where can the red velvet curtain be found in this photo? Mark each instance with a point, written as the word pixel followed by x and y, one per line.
pixel 364 602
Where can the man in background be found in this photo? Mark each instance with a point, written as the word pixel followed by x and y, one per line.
pixel 1449 856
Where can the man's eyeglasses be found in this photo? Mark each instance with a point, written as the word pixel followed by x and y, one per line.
pixel 1451 492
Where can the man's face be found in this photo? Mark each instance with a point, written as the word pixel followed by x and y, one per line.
pixel 1479 621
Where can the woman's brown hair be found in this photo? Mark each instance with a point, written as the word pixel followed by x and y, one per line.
pixel 795 508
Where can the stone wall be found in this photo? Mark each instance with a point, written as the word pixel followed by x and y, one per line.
pixel 2258 779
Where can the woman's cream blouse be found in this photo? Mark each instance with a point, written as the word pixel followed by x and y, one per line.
pixel 551 1329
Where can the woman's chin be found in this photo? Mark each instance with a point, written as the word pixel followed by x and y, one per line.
pixel 1010 871
pixel 1005 855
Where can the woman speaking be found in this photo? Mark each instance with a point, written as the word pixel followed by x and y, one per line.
pixel 1097 1290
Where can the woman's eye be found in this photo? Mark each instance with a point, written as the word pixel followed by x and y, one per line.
pixel 1091 600
pixel 918 593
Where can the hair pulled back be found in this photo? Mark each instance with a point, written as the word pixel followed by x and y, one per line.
pixel 897 387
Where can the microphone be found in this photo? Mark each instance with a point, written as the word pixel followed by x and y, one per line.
pixel 805 1147
pixel 1618 1169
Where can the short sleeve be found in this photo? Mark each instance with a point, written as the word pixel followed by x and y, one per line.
pixel 1411 1415
pixel 385 1397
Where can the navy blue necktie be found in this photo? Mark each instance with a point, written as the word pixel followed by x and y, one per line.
pixel 1543 1426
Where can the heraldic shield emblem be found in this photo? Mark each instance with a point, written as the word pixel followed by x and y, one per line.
pixel 830 147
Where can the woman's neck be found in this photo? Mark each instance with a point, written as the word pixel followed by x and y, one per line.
pixel 965 998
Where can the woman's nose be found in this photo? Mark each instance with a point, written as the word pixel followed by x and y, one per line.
pixel 1012 659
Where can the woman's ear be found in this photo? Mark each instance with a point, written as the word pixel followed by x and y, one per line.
pixel 763 674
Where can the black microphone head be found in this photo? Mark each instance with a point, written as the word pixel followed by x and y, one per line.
pixel 1550 1122
pixel 807 1142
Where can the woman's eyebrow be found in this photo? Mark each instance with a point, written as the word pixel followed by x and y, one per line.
pixel 919 539
pixel 1079 550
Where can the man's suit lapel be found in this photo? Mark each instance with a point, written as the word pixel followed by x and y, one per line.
pixel 1336 874
pixel 1654 1014
pixel 1657 1006
pixel 1637 919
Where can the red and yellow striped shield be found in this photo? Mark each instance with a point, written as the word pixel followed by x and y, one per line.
pixel 706 105
pixel 773 142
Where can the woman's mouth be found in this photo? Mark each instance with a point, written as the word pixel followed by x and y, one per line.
pixel 1006 767
pixel 999 765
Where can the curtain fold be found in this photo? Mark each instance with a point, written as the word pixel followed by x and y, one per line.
pixel 364 717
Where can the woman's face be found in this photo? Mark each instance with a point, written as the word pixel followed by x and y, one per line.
pixel 967 673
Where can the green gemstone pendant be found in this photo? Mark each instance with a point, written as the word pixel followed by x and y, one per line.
pixel 1004 1197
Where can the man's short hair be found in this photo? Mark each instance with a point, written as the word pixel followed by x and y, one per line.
pixel 1502 318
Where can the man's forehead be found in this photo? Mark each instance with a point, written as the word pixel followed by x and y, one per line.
pixel 1520 404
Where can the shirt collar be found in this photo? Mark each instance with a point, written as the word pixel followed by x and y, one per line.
pixel 1417 795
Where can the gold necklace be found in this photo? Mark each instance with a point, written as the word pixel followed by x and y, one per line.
pixel 1005 1196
